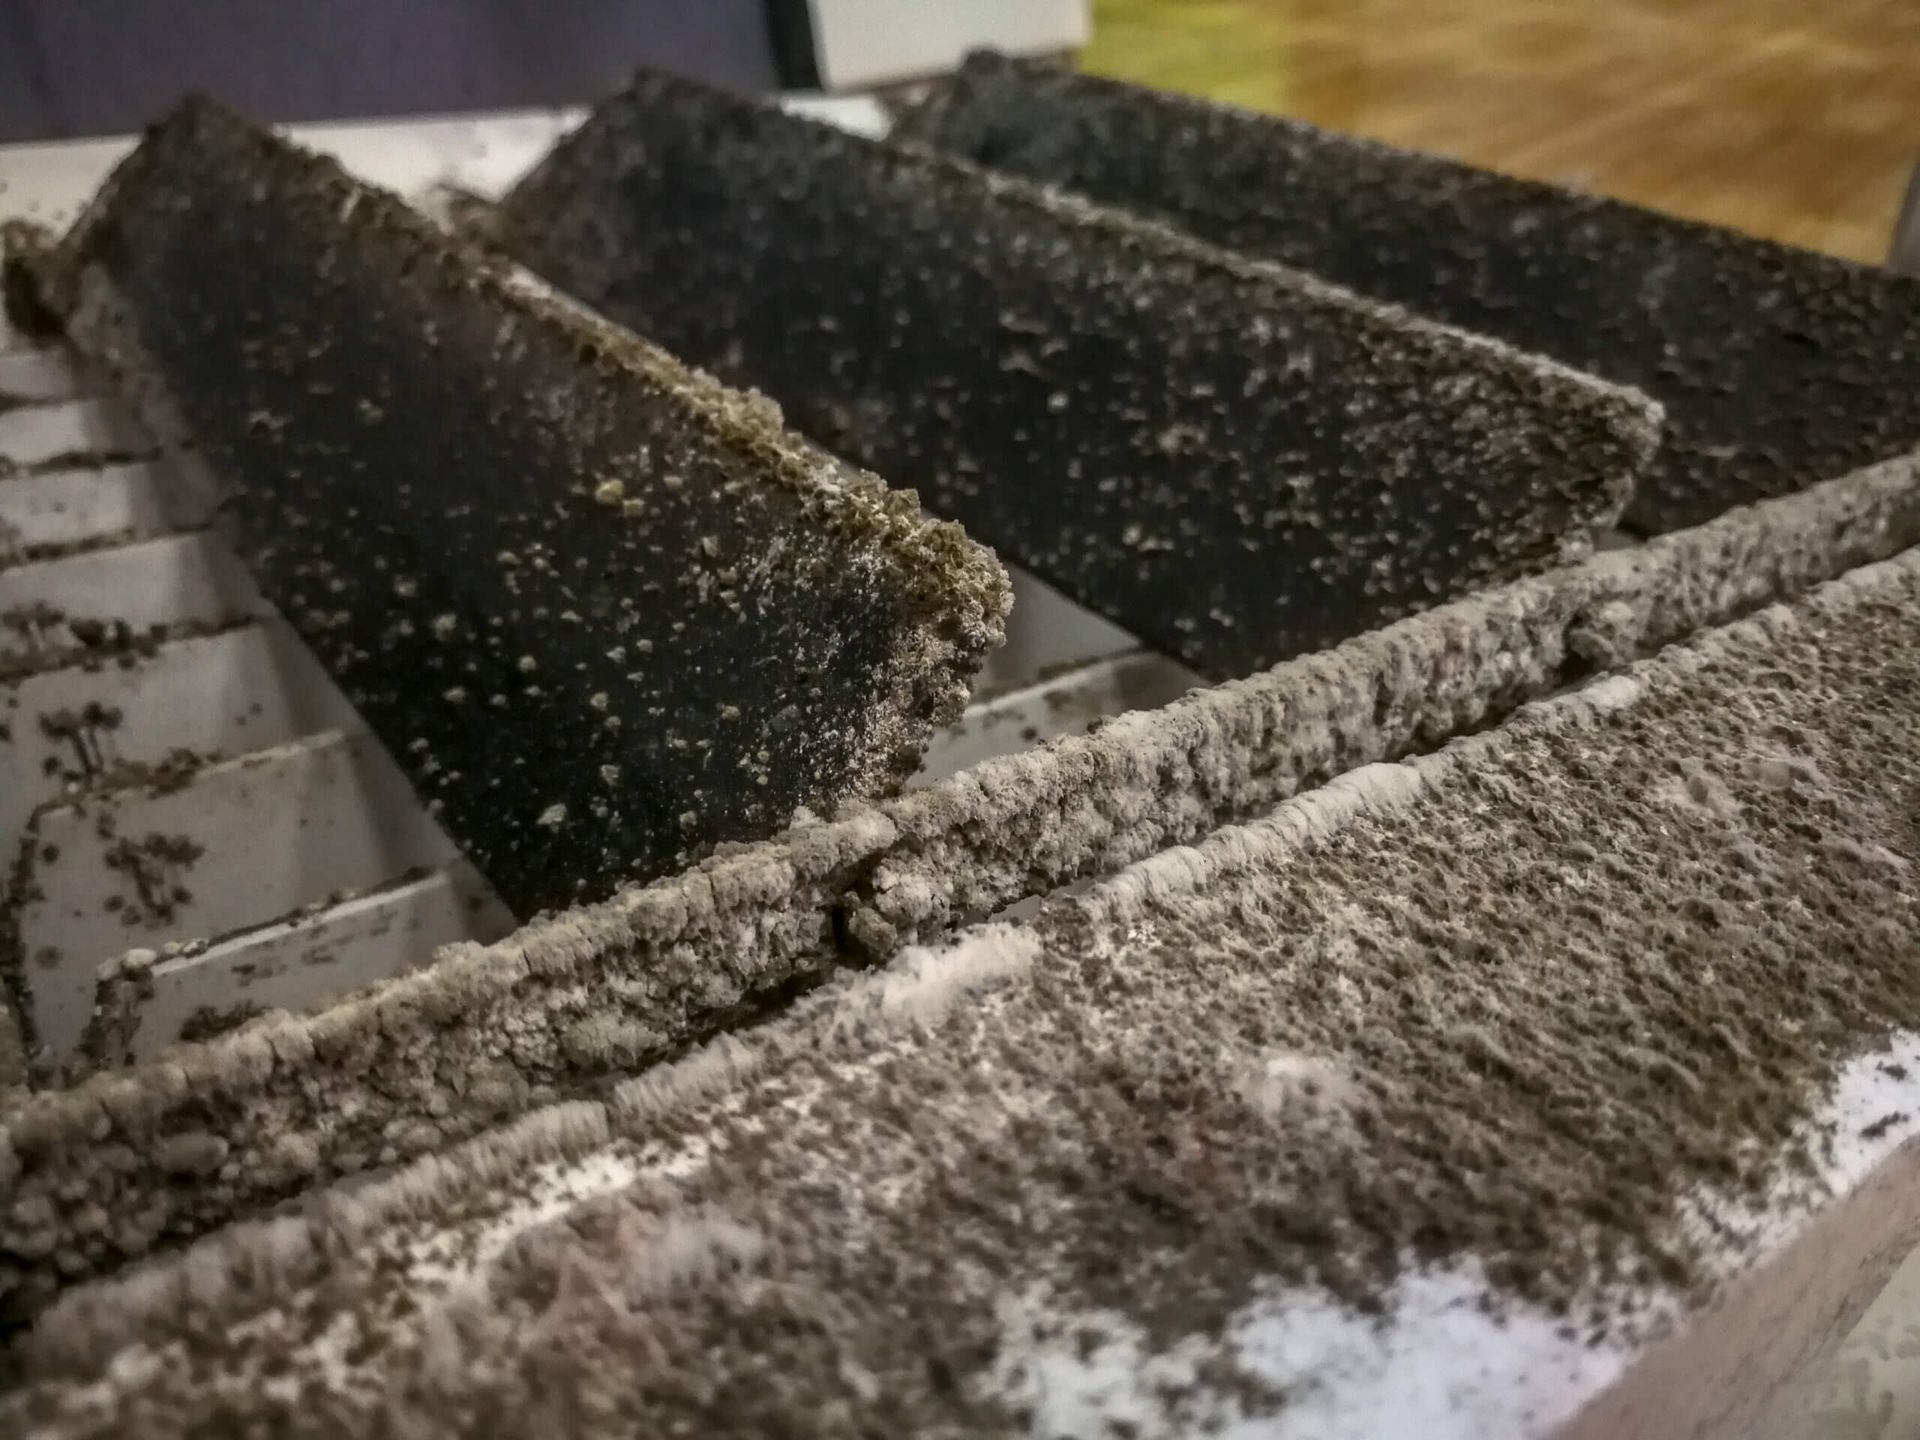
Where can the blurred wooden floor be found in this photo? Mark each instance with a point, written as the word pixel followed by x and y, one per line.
pixel 1794 119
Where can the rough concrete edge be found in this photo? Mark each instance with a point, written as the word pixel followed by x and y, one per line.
pixel 1386 788
pixel 1637 417
pixel 248 1266
pixel 756 919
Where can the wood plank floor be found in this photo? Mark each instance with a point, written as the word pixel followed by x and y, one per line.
pixel 1795 120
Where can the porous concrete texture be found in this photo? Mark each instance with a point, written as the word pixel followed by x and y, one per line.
pixel 93 1177
pixel 1776 366
pixel 1498 1066
pixel 1236 462
pixel 606 612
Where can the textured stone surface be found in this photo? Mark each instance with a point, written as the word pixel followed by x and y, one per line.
pixel 1236 462
pixel 487 1033
pixel 1560 1012
pixel 604 611
pixel 1776 366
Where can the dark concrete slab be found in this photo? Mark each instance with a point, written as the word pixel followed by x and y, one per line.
pixel 1777 367
pixel 1236 462
pixel 605 612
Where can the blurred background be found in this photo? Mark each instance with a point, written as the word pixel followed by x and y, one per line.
pixel 1793 119
pixel 1798 120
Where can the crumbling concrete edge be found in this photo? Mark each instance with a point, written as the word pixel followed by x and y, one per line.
pixel 253 1266
pixel 211 1132
pixel 250 1264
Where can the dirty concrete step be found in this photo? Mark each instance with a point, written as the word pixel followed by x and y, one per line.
pixel 1473 1066
pixel 62 510
pixel 563 1004
pixel 1235 462
pixel 243 689
pixel 40 373
pixel 66 433
pixel 113 604
pixel 145 1001
pixel 195 849
pixel 1777 367
pixel 607 612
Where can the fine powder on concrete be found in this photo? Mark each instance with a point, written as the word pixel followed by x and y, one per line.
pixel 1776 366
pixel 1518 1003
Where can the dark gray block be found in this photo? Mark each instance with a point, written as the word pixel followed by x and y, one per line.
pixel 1777 367
pixel 1237 462
pixel 604 611
pixel 70 70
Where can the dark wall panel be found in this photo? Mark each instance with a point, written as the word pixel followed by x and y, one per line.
pixel 93 67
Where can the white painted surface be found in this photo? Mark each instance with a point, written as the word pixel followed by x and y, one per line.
pixel 1434 1364
pixel 298 963
pixel 245 689
pixel 1064 704
pixel 876 42
pixel 31 435
pixel 275 831
pixel 293 802
pixel 172 580
pixel 40 374
pixel 862 114
pixel 83 506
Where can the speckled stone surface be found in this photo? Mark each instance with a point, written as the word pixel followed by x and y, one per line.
pixel 1776 366
pixel 567 1004
pixel 1560 1012
pixel 605 612
pixel 1235 462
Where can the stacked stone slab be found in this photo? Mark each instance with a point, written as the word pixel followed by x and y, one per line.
pixel 1776 367
pixel 220 1130
pixel 1234 461
pixel 604 611
pixel 1512 1064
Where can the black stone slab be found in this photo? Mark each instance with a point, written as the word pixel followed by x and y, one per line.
pixel 604 611
pixel 1237 462
pixel 1777 367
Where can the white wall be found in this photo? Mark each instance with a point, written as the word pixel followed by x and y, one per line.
pixel 873 42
